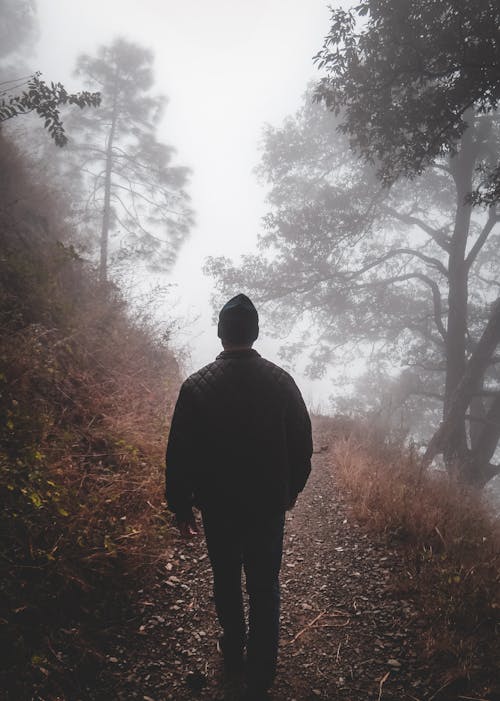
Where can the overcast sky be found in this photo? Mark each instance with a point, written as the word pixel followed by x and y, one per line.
pixel 227 67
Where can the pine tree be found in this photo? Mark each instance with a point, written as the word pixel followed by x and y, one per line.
pixel 131 182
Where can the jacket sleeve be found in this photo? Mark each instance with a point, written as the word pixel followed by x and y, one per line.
pixel 181 457
pixel 299 440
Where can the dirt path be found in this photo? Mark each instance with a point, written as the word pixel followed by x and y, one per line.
pixel 348 630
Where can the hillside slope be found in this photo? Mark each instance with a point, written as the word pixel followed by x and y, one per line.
pixel 86 387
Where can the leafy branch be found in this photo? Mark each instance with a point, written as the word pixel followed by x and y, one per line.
pixel 45 99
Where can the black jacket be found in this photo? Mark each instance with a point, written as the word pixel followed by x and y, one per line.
pixel 240 437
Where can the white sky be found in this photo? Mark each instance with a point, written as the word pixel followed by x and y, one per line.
pixel 227 67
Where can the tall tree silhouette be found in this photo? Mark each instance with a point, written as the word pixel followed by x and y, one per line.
pixel 409 81
pixel 408 272
pixel 131 180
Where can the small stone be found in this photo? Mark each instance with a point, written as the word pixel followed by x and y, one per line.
pixel 394 663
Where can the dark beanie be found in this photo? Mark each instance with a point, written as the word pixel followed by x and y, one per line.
pixel 238 321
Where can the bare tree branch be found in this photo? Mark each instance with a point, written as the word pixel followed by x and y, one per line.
pixel 436 294
pixel 437 235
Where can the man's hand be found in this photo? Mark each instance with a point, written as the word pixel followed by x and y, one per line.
pixel 188 528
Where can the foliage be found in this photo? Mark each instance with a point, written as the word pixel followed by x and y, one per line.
pixel 45 100
pixel 130 183
pixel 85 385
pixel 404 74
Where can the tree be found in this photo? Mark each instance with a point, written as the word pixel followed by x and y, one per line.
pixel 405 75
pixel 139 194
pixel 410 81
pixel 405 273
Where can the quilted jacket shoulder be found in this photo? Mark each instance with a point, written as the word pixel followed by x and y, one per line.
pixel 223 367
pixel 240 434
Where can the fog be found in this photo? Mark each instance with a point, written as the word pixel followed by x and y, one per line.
pixel 227 68
pixel 372 247
pixel 341 166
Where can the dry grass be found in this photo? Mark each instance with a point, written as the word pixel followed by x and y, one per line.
pixel 86 387
pixel 427 508
pixel 102 395
pixel 82 468
pixel 450 541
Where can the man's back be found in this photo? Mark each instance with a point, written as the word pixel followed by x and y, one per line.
pixel 241 430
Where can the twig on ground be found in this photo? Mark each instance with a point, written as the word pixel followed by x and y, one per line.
pixel 381 684
pixel 437 692
pixel 440 535
pixel 324 625
pixel 303 630
pixel 334 625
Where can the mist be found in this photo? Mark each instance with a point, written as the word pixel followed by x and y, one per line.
pixel 226 69
pixel 249 292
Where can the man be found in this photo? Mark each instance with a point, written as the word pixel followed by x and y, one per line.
pixel 240 449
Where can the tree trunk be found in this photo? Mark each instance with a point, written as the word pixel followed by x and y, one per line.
pixel 106 212
pixel 462 168
pixel 460 400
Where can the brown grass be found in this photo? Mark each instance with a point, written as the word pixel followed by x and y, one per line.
pixel 450 541
pixel 82 476
pixel 86 388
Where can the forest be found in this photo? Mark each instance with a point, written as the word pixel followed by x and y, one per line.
pixel 376 273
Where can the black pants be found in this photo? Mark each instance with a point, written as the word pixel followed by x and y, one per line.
pixel 236 539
